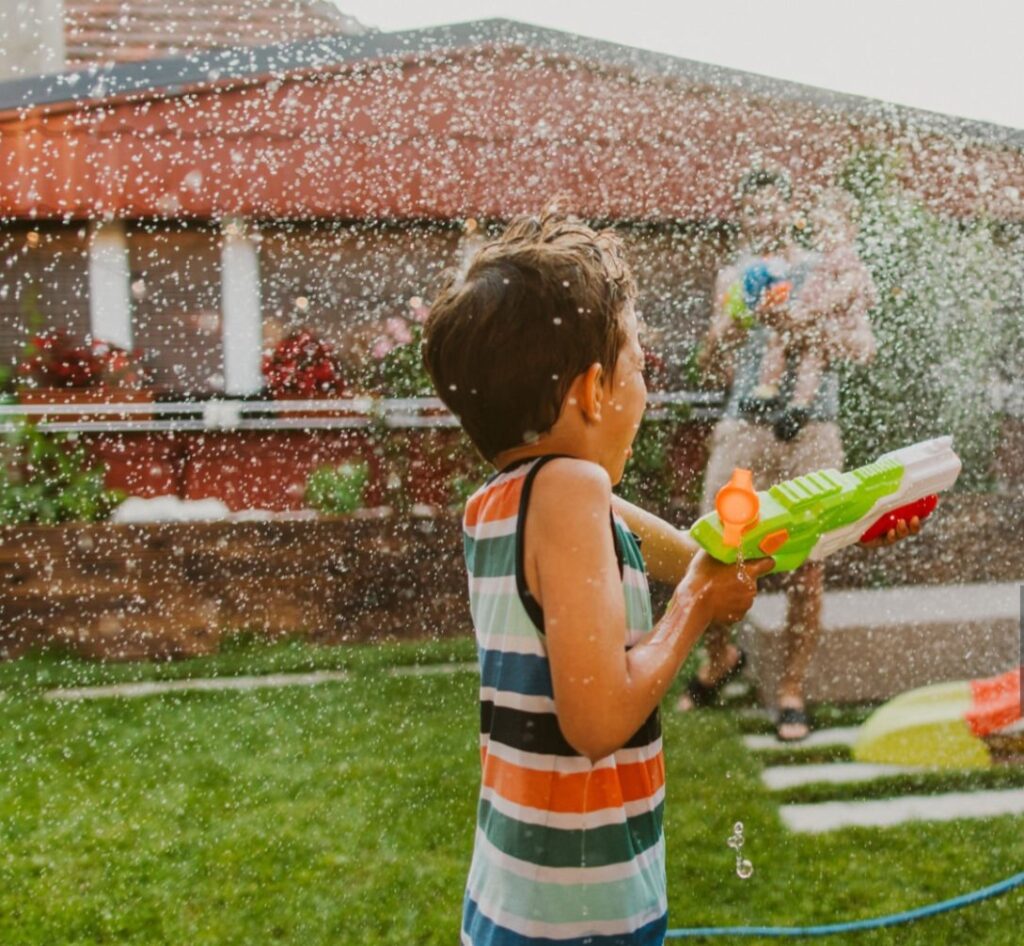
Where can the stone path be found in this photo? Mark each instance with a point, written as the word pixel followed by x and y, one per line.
pixel 152 687
pixel 840 736
pixel 830 815
pixel 824 816
pixel 263 681
pixel 778 777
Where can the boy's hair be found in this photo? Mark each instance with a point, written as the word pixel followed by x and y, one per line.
pixel 535 309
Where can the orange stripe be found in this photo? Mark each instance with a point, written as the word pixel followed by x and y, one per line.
pixel 500 501
pixel 567 792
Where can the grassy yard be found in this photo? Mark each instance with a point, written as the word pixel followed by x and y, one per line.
pixel 343 814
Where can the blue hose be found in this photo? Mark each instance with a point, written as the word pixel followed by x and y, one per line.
pixel 872 923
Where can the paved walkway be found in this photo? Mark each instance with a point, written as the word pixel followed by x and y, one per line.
pixel 840 736
pixel 824 816
pixel 263 681
pixel 830 815
pixel 152 687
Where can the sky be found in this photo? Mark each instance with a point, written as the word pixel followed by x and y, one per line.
pixel 951 56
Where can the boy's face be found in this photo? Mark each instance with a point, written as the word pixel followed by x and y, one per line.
pixel 626 395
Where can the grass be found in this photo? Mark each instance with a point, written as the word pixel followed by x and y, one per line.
pixel 343 813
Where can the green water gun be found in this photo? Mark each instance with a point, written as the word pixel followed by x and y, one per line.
pixel 814 515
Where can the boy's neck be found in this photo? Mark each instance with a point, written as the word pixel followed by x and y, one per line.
pixel 545 446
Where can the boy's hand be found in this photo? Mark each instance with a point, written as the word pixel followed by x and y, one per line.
pixel 726 591
pixel 893 536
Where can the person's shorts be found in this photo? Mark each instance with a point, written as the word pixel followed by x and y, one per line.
pixel 740 443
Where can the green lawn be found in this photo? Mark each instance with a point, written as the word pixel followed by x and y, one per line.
pixel 343 814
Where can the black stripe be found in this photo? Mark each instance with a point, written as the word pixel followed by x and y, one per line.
pixel 540 732
pixel 619 557
pixel 530 603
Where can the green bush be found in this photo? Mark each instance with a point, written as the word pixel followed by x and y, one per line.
pixel 947 292
pixel 649 479
pixel 337 490
pixel 47 479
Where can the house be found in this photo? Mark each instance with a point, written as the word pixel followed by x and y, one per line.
pixel 196 205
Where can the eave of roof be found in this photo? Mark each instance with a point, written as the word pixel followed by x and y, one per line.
pixel 176 76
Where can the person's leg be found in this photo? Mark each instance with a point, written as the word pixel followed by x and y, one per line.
pixel 818 446
pixel 733 443
pixel 804 590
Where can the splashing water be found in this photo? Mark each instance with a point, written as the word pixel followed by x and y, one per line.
pixel 744 869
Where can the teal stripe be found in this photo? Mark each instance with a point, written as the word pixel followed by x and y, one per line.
pixel 638 608
pixel 569 903
pixel 561 847
pixel 490 558
pixel 630 550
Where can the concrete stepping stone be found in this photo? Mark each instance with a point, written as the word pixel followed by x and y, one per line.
pixel 837 736
pixel 832 815
pixel 778 777
pixel 153 687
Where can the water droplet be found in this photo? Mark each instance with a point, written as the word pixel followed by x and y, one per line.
pixel 744 869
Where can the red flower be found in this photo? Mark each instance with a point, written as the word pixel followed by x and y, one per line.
pixel 303 365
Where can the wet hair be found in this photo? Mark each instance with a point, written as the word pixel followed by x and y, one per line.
pixel 536 308
pixel 757 179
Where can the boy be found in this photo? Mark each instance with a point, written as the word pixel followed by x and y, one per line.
pixel 536 352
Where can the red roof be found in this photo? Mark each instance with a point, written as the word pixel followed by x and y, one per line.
pixel 457 122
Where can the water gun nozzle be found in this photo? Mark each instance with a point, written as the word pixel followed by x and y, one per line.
pixel 738 506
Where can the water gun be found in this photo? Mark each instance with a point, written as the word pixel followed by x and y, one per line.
pixel 814 515
pixel 761 283
pixel 957 725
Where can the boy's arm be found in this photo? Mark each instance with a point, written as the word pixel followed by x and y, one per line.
pixel 667 550
pixel 604 693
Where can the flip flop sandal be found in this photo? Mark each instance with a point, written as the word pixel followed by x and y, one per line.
pixel 703 694
pixel 792 716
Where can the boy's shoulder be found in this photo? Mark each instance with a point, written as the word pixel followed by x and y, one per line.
pixel 570 490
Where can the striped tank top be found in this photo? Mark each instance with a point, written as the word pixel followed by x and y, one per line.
pixel 566 851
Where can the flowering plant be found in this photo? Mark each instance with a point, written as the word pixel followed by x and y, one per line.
pixel 55 359
pixel 303 365
pixel 396 369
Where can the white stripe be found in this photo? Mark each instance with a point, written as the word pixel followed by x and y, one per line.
pixel 493 585
pixel 508 699
pixel 493 529
pixel 571 764
pixel 531 645
pixel 573 821
pixel 526 927
pixel 569 876
pixel 632 578
pixel 831 815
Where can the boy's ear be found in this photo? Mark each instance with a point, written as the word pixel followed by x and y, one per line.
pixel 591 392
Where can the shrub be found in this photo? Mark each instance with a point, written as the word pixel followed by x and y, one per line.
pixel 946 290
pixel 49 480
pixel 339 490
